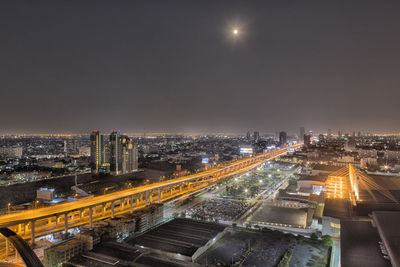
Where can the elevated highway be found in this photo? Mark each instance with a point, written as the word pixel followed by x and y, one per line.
pixel 22 249
pixel 30 224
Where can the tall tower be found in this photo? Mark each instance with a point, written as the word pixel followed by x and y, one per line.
pixel 96 151
pixel 307 140
pixel 256 135
pixel 282 139
pixel 129 155
pixel 248 135
pixel 115 152
pixel 302 133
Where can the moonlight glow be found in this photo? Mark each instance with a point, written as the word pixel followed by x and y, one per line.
pixel 235 31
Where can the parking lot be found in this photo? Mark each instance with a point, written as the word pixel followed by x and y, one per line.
pixel 218 209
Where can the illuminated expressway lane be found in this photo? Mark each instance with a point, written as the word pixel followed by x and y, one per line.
pixel 38 222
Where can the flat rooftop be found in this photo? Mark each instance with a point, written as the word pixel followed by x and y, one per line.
pixel 338 208
pixel 180 236
pixel 388 182
pixel 317 178
pixel 388 223
pixel 120 254
pixel 326 168
pixel 313 198
pixel 272 214
pixel 359 245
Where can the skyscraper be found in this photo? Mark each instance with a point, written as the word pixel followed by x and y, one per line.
pixel 282 139
pixel 329 133
pixel 307 140
pixel 248 135
pixel 117 155
pixel 302 132
pixel 123 154
pixel 115 152
pixel 96 151
pixel 129 155
pixel 256 135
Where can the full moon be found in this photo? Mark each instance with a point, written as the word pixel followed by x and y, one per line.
pixel 235 31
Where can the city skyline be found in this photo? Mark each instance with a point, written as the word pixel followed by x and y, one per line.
pixel 199 133
pixel 74 67
pixel 263 134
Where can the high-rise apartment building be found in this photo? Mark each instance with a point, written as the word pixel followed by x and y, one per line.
pixel 248 135
pixel 129 155
pixel 256 135
pixel 115 143
pixel 282 139
pixel 123 155
pixel 307 140
pixel 302 133
pixel 96 151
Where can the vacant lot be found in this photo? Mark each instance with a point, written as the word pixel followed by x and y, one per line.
pixel 308 255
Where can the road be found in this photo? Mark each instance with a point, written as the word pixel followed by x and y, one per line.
pixel 20 217
pixel 26 253
pixel 42 221
pixel 336 253
pixel 266 194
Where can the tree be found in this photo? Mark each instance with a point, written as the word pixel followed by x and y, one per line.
pixel 314 237
pixel 327 241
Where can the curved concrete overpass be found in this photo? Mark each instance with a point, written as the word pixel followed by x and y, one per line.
pixel 23 249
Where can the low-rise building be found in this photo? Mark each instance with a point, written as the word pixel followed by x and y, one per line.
pixel 322 169
pixel 46 194
pixel 311 184
pixel 62 252
pixel 11 152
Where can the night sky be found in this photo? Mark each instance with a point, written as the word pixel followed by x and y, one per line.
pixel 175 66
